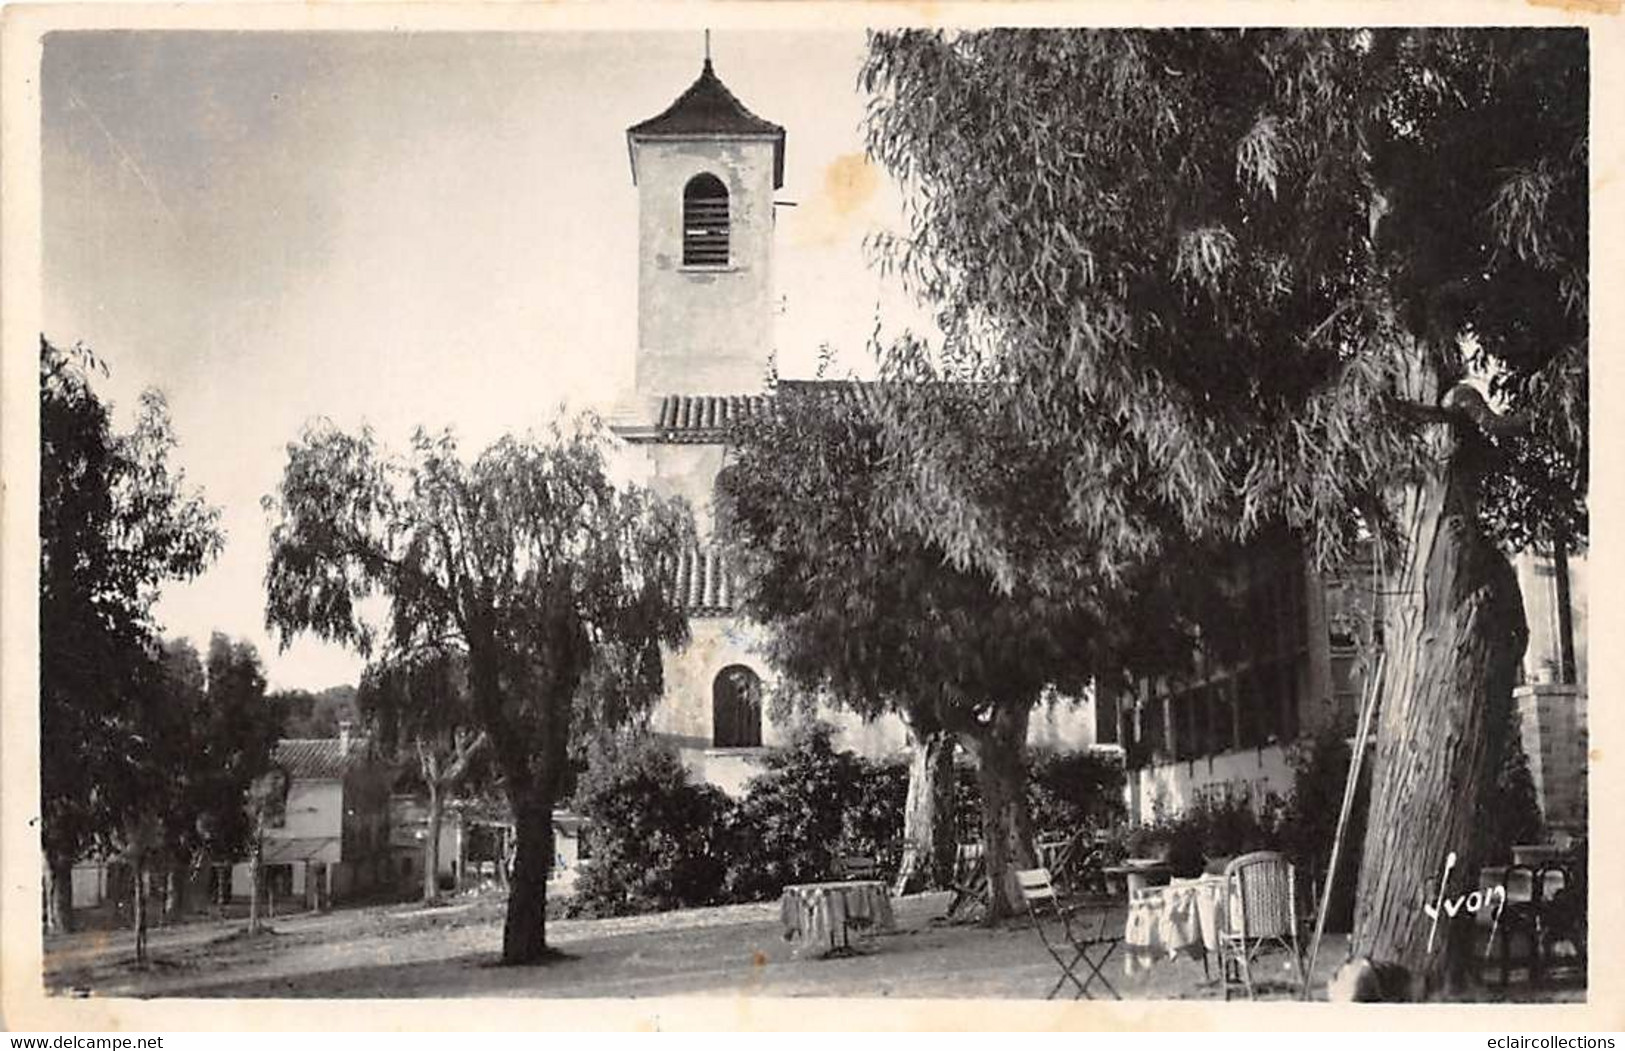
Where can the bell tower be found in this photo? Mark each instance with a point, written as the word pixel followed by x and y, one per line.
pixel 705 171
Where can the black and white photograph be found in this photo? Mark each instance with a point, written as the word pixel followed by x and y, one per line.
pixel 888 509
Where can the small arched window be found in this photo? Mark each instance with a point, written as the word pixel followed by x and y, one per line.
pixel 705 222
pixel 736 708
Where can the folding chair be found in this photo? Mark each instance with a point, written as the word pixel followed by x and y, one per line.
pixel 970 882
pixel 1074 945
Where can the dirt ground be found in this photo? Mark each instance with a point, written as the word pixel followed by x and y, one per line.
pixel 451 950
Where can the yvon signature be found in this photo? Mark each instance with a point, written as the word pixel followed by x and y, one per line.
pixel 1473 902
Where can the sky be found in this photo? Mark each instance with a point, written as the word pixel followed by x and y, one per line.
pixel 402 229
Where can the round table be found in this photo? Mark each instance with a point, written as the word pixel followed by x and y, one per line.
pixel 1138 874
pixel 1163 922
pixel 825 912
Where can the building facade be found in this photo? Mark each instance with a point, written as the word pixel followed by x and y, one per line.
pixel 330 839
pixel 1225 731
pixel 1551 699
pixel 706 170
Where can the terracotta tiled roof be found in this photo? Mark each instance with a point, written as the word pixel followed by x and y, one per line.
pixel 318 759
pixel 704 585
pixel 709 108
pixel 705 417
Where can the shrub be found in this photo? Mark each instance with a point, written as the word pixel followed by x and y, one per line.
pixel 655 836
pixel 1189 842
pixel 1071 791
pixel 967 803
pixel 810 804
pixel 1321 769
pixel 1512 814
pixel 873 818
pixel 1066 793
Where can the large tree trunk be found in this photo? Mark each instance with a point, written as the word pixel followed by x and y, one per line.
pixel 1568 670
pixel 524 933
pixel 256 868
pixel 1453 634
pixel 1006 825
pixel 58 895
pixel 174 894
pixel 138 908
pixel 431 845
pixel 928 814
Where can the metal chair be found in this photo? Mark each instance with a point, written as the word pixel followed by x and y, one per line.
pixel 857 866
pixel 1545 904
pixel 1260 910
pixel 1072 945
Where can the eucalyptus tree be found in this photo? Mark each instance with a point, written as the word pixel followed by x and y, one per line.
pixel 1247 273
pixel 418 707
pixel 527 560
pixel 866 608
pixel 219 733
pixel 116 521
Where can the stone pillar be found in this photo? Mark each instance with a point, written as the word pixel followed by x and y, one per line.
pixel 1552 719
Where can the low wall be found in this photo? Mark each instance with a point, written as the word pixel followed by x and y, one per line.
pixel 1167 789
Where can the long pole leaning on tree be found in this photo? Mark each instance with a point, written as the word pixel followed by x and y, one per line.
pixel 1368 705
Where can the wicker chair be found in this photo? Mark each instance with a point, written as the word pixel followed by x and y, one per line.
pixel 1260 911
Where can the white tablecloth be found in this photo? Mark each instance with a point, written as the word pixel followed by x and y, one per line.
pixel 1183 917
pixel 818 912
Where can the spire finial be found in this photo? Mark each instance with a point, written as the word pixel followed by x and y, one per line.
pixel 708 47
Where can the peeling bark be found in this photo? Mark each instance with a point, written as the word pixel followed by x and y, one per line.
pixel 58 895
pixel 928 814
pixel 431 844
pixel 1453 635
pixel 256 871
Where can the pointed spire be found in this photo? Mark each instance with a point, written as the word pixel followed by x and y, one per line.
pixel 708 108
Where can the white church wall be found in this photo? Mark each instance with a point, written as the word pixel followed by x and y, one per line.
pixel 704 330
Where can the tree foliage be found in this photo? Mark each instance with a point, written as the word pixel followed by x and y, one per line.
pixel 309 714
pixel 1244 274
pixel 222 729
pixel 526 560
pixel 116 522
pixel 870 609
pixel 418 707
pixel 1204 259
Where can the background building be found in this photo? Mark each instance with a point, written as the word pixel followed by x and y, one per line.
pixel 332 835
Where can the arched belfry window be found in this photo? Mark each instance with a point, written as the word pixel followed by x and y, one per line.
pixel 705 222
pixel 736 708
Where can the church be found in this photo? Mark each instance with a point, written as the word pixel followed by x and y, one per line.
pixel 706 171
